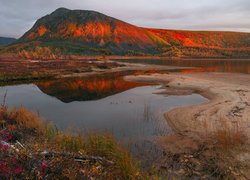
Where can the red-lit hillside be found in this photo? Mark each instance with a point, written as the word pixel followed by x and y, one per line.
pixel 90 32
pixel 81 32
pixel 191 42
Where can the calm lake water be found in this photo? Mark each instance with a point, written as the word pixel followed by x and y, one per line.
pixel 107 103
pixel 203 65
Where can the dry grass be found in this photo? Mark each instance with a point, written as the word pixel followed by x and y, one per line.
pixel 228 136
pixel 213 156
pixel 25 119
pixel 107 147
pixel 98 145
pixel 229 139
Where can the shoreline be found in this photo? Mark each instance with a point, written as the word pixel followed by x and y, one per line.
pixel 228 106
pixel 13 56
pixel 88 70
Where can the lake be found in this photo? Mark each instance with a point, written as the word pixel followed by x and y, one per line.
pixel 105 103
pixel 203 65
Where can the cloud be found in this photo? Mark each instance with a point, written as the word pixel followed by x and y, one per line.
pixel 17 16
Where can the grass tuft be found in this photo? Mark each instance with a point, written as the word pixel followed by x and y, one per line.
pixel 228 139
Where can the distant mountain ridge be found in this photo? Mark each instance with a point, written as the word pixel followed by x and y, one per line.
pixel 6 40
pixel 81 32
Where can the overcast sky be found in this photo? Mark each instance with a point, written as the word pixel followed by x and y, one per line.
pixel 17 16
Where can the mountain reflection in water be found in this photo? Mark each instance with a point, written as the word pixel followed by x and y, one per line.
pixel 86 88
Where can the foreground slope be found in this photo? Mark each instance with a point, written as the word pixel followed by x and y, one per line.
pixel 81 32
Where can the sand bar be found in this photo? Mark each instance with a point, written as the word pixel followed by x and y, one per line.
pixel 228 105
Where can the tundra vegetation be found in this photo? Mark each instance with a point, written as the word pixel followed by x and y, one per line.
pixel 33 148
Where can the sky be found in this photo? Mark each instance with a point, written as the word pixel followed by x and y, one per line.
pixel 18 16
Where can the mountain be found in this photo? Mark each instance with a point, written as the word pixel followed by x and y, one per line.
pixel 81 32
pixel 90 32
pixel 6 40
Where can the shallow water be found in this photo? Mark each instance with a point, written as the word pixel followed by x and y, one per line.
pixel 203 65
pixel 128 110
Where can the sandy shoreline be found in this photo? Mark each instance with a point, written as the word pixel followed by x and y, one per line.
pixel 228 106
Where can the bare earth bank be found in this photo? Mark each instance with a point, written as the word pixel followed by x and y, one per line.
pixel 197 150
pixel 229 105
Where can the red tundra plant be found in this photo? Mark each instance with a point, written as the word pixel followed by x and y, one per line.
pixel 9 164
